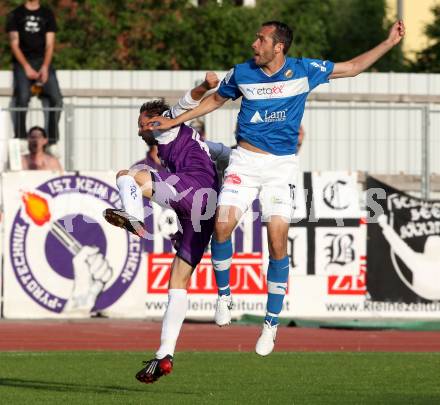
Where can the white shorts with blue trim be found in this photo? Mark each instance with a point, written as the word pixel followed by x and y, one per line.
pixel 271 178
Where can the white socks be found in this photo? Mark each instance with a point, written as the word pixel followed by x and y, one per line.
pixel 131 196
pixel 172 321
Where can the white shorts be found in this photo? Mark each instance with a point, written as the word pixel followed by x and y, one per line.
pixel 271 178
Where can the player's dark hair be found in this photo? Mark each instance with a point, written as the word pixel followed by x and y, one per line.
pixel 155 107
pixel 282 34
pixel 37 128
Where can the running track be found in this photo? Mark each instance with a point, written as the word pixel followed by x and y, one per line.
pixel 142 335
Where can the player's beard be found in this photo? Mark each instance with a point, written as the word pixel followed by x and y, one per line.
pixel 264 58
pixel 148 137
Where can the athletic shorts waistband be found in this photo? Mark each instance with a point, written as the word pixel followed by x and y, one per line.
pixel 264 155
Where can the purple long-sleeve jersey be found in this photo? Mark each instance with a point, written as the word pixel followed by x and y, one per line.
pixel 188 184
pixel 186 154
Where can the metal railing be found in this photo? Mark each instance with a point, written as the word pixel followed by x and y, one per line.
pixel 103 136
pixel 424 111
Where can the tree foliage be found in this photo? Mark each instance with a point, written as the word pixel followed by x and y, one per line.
pixel 174 34
pixel 355 26
pixel 307 20
pixel 428 60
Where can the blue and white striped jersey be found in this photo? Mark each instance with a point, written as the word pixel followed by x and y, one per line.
pixel 272 106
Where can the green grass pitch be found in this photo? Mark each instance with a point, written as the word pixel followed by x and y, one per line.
pixel 221 378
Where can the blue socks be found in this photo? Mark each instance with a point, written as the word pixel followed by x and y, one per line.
pixel 221 262
pixel 277 276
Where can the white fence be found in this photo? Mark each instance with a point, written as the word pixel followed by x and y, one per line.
pixel 101 131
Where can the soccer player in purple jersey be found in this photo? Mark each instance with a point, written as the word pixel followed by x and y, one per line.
pixel 188 183
pixel 273 89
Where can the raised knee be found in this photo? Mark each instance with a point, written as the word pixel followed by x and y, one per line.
pixel 121 173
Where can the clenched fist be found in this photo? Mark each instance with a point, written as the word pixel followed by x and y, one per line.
pixel 397 32
pixel 211 81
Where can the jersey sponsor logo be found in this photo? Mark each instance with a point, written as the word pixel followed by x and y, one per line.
pixel 321 67
pixel 282 89
pixel 256 118
pixel 247 276
pixel 274 116
pixel 232 179
pixel 268 91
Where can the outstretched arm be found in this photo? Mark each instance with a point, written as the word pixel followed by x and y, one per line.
pixel 362 62
pixel 208 104
pixel 211 82
pixel 192 97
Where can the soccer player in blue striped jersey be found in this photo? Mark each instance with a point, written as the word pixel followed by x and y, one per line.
pixel 274 89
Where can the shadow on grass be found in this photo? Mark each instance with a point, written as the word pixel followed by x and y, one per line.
pixel 62 387
pixel 79 388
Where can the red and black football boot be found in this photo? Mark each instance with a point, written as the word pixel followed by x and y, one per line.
pixel 154 369
pixel 124 220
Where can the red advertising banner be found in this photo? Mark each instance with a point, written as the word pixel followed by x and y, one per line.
pixel 247 275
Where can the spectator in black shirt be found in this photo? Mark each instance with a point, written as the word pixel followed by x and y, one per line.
pixel 31 29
